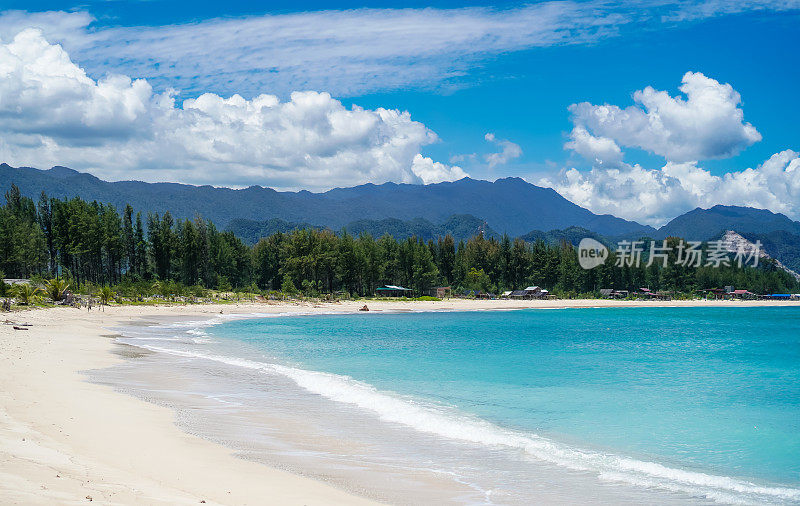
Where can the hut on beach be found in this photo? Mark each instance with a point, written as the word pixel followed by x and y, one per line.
pixel 781 296
pixel 440 292
pixel 16 282
pixel 393 291
pixel 535 292
pixel 531 292
pixel 610 293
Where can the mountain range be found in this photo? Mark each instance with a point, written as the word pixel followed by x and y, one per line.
pixel 460 226
pixel 509 205
pixel 703 224
pixel 461 208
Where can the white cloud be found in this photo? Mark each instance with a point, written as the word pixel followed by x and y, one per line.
pixel 656 196
pixel 707 124
pixel 58 25
pixel 52 113
pixel 508 151
pixel 601 151
pixel 433 172
pixel 714 8
pixel 349 52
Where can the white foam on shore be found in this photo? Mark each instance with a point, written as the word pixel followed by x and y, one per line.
pixel 448 423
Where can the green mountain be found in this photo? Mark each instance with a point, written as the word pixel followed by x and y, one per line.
pixel 785 246
pixel 703 224
pixel 461 226
pixel 572 235
pixel 250 231
pixel 508 205
pixel 461 208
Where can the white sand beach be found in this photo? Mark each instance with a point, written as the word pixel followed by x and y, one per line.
pixel 65 440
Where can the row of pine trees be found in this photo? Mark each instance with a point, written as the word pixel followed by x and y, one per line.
pixel 92 242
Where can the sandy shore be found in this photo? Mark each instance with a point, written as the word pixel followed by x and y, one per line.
pixel 65 440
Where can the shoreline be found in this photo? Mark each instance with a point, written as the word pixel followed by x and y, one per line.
pixel 60 434
pixel 64 439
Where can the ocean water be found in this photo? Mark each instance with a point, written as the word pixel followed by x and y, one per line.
pixel 607 405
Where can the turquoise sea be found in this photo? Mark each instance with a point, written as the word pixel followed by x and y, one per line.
pixel 699 404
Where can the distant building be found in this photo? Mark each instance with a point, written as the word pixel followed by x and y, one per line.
pixel 729 293
pixel 440 292
pixel 531 292
pixel 535 292
pixel 14 281
pixel 779 296
pixel 393 291
pixel 649 294
pixel 715 293
pixel 610 293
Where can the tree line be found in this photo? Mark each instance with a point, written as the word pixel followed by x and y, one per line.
pixel 91 242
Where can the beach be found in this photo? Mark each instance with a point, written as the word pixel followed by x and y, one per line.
pixel 64 439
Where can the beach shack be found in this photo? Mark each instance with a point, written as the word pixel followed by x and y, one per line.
pixel 535 292
pixel 531 292
pixel 610 293
pixel 714 293
pixel 393 291
pixel 649 294
pixel 440 292
pixel 778 296
pixel 16 282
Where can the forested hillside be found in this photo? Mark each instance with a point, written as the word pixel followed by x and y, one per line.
pixel 460 227
pixel 785 246
pixel 90 242
pixel 509 205
pixel 703 224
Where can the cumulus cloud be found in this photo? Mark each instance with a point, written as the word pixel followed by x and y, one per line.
pixel 350 52
pixel 707 124
pixel 601 151
pixel 434 172
pixel 51 113
pixel 656 196
pixel 508 151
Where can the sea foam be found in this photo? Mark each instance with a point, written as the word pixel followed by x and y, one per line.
pixel 446 422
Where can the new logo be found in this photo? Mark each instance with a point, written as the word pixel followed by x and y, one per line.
pixel 591 253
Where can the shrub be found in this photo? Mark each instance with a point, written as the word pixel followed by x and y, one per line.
pixel 26 293
pixel 106 294
pixel 56 288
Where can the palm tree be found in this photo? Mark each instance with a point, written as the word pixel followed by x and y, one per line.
pixel 106 294
pixel 56 288
pixel 157 287
pixel 26 293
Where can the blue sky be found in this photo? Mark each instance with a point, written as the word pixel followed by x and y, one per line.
pixel 517 87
